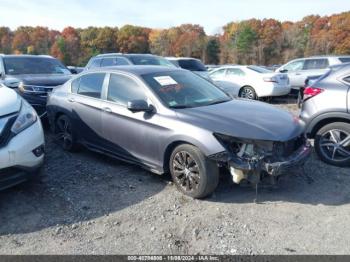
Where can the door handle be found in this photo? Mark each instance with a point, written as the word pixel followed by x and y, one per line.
pixel 107 110
pixel 297 74
pixel 72 100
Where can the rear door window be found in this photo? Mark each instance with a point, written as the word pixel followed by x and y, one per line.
pixel 90 85
pixel 235 72
pixel 218 73
pixel 313 64
pixel 294 66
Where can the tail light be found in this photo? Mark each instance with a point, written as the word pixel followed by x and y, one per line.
pixel 311 92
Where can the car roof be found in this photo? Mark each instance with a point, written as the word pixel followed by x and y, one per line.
pixel 24 55
pixel 230 66
pixel 137 69
pixel 181 58
pixel 122 54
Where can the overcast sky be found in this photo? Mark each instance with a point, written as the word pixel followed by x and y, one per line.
pixel 212 14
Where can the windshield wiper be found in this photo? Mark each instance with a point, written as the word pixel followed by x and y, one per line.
pixel 218 101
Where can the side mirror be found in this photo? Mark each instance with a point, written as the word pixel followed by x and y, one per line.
pixel 139 106
pixel 283 71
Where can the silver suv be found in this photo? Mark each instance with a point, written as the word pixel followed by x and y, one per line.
pixel 326 112
pixel 299 70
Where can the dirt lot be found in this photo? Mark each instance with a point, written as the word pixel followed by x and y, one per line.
pixel 91 204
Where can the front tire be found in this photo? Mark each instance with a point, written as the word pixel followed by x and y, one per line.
pixel 332 144
pixel 193 173
pixel 248 92
pixel 64 134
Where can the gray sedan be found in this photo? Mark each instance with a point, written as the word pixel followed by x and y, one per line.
pixel 171 120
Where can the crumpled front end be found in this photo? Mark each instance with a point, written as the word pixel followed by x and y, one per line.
pixel 249 159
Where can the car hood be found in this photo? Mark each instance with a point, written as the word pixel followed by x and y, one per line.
pixel 245 119
pixel 43 80
pixel 10 101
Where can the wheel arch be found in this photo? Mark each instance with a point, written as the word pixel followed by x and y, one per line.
pixel 250 86
pixel 325 119
pixel 169 149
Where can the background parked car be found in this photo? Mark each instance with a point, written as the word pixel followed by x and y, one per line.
pixel 326 111
pixel 33 76
pixel 119 59
pixel 299 69
pixel 252 82
pixel 22 135
pixel 191 64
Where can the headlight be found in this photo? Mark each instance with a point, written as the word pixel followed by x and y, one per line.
pixel 27 117
pixel 31 89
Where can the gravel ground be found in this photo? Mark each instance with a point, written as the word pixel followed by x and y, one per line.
pixel 87 203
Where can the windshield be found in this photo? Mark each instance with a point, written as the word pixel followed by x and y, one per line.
pixel 259 69
pixel 34 65
pixel 150 60
pixel 183 89
pixel 191 64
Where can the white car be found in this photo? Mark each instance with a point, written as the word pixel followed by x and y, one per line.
pixel 21 139
pixel 251 82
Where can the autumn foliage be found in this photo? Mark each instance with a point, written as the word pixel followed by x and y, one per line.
pixel 253 41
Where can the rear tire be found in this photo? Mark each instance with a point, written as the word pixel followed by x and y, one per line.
pixel 64 134
pixel 332 144
pixel 193 173
pixel 247 92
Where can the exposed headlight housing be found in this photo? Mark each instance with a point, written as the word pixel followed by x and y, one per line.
pixel 244 147
pixel 31 88
pixel 27 117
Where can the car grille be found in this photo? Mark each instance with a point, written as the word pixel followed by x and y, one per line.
pixel 285 149
pixel 41 90
pixel 6 134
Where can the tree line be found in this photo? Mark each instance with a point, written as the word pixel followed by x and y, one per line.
pixel 252 41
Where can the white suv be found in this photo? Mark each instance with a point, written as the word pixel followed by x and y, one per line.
pixel 299 70
pixel 21 139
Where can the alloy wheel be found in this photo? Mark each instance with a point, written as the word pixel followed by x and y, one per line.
pixel 335 145
pixel 247 93
pixel 186 171
pixel 64 133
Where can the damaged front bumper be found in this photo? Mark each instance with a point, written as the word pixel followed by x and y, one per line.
pixel 251 168
pixel 298 158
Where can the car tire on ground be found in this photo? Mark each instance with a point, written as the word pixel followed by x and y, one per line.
pixel 192 172
pixel 247 92
pixel 332 144
pixel 64 134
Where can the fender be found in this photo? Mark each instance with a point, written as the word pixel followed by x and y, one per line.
pixel 329 115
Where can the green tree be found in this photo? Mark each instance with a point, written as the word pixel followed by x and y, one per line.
pixel 213 51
